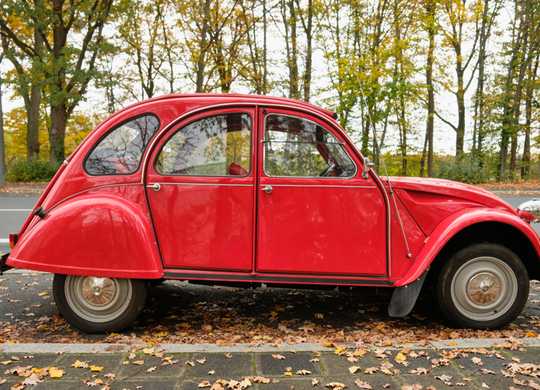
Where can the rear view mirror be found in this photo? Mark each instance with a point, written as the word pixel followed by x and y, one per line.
pixel 368 164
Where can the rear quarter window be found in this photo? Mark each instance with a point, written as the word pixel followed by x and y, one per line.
pixel 119 152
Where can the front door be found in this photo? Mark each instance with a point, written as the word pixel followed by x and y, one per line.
pixel 201 190
pixel 317 214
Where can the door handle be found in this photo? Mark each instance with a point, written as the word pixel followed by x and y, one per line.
pixel 156 187
pixel 267 189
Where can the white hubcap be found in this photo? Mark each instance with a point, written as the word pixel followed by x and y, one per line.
pixel 484 288
pixel 97 299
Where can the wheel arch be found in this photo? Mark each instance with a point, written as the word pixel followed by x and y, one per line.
pixel 92 234
pixel 489 232
pixel 474 226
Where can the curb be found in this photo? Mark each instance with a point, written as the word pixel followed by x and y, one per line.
pixel 101 348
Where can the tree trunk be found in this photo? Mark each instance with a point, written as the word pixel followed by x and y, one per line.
pixel 32 134
pixel 57 133
pixel 309 52
pixel 460 97
pixel 265 49
pixel 203 46
pixel 529 94
pixel 430 89
pixel 294 90
pixel 2 141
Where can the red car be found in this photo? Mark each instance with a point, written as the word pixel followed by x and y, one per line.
pixel 232 189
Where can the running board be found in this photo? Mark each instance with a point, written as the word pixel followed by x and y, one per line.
pixel 261 278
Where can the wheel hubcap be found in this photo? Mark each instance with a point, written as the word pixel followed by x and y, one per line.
pixel 97 299
pixel 98 291
pixel 484 288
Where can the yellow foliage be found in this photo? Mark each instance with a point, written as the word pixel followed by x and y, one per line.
pixel 78 126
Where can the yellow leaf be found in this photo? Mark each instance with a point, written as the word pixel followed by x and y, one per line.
pixel 401 357
pixel 96 368
pixel 56 373
pixel 79 364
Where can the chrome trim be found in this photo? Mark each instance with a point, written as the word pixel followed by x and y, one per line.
pixel 201 184
pixel 251 133
pixel 322 185
pixel 263 141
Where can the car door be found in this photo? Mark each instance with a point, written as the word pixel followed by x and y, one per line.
pixel 316 213
pixel 201 192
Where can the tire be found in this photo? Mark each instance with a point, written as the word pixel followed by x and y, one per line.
pixel 482 286
pixel 114 306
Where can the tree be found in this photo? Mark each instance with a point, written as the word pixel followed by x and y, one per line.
pixel 490 10
pixel 68 62
pixel 255 70
pixel 2 141
pixel 27 78
pixel 144 36
pixel 459 15
pixel 524 46
pixel 430 26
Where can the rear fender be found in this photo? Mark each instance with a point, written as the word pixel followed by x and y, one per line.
pixel 91 235
pixel 454 224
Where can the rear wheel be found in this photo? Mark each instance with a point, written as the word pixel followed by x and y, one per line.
pixel 483 286
pixel 96 305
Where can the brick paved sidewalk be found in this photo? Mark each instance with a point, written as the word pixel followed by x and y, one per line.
pixel 379 369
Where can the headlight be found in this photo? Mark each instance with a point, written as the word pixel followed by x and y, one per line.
pixel 530 210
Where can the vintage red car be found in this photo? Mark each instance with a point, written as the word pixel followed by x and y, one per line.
pixel 240 189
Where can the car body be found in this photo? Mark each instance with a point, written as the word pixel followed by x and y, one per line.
pixel 227 188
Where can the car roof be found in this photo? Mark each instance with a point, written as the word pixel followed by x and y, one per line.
pixel 245 98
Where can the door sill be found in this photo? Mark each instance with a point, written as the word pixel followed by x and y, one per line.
pixel 276 278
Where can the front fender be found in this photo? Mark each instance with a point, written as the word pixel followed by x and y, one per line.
pixel 101 235
pixel 454 224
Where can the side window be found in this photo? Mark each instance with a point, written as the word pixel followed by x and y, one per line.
pixel 120 151
pixel 219 145
pixel 298 147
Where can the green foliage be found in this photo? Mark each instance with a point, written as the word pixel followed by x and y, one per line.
pixel 468 170
pixel 21 170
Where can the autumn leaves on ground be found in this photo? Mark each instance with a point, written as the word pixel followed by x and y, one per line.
pixel 179 313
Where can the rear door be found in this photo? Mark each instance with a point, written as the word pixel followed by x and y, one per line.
pixel 201 189
pixel 317 215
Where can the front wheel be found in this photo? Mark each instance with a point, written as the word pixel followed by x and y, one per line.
pixel 97 305
pixel 483 286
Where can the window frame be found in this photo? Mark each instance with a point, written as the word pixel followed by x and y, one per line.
pixel 339 142
pixel 114 128
pixel 220 113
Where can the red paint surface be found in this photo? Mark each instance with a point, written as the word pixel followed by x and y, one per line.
pixel 319 230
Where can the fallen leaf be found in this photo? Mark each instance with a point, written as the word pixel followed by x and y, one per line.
pixel 79 364
pixel 56 373
pixel 362 385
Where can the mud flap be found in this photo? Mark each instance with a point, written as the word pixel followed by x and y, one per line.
pixel 404 298
pixel 3 266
